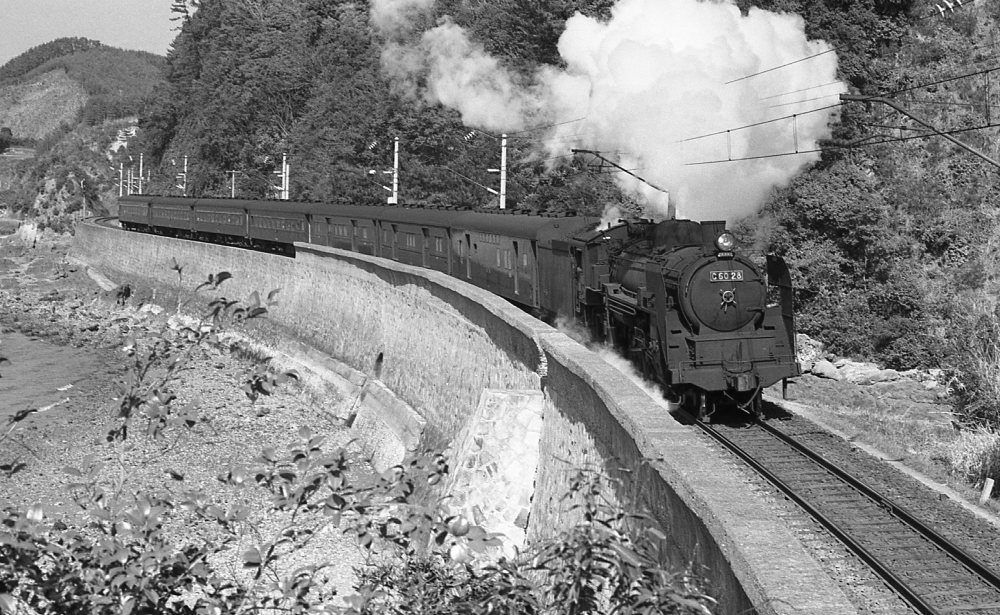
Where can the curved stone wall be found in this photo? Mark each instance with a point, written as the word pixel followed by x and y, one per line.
pixel 444 342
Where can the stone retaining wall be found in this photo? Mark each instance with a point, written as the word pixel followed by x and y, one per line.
pixel 444 342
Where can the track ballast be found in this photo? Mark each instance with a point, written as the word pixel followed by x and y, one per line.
pixel 928 571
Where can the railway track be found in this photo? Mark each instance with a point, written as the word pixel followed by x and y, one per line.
pixel 929 572
pixel 106 221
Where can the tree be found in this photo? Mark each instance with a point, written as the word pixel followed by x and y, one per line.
pixel 6 139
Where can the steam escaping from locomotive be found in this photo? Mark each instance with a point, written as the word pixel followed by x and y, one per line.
pixel 660 87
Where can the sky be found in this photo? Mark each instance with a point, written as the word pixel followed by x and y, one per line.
pixel 128 24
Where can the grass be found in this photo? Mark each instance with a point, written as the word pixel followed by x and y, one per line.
pixel 933 446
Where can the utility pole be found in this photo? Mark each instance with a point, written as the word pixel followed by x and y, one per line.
pixel 283 173
pixel 121 179
pixel 394 199
pixel 140 173
pixel 232 185
pixel 502 171
pixel 183 177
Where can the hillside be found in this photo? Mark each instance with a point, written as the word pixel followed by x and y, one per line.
pixel 70 98
pixel 39 90
pixel 38 107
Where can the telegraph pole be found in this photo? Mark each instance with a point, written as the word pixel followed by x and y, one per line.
pixel 285 184
pixel 140 173
pixel 184 178
pixel 232 185
pixel 283 173
pixel 394 199
pixel 121 179
pixel 502 171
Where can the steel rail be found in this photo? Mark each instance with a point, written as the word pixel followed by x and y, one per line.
pixel 896 510
pixel 887 575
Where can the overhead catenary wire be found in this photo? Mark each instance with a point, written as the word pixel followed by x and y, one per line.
pixel 864 142
pixel 799 102
pixel 838 47
pixel 945 80
pixel 813 87
pixel 472 181
pixel 761 123
pixel 545 127
pixel 772 69
pixel 621 168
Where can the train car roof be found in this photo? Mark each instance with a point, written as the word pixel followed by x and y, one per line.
pixel 259 205
pixel 509 223
pixel 182 201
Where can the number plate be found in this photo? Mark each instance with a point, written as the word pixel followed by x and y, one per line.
pixel 727 276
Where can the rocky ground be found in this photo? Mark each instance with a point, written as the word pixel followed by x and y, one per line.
pixel 53 313
pixel 864 386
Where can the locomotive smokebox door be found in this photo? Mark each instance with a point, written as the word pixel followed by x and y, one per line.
pixel 724 295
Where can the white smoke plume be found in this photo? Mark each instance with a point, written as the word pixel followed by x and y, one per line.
pixel 579 334
pixel 651 83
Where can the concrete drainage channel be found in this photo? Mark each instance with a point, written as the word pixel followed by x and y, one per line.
pixel 493 461
pixel 521 405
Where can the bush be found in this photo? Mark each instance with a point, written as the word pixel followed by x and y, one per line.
pixel 975 455
pixel 976 342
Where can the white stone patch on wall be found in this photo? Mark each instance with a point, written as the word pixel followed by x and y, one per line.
pixel 494 462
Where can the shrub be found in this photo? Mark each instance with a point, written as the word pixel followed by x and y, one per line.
pixel 608 563
pixel 975 455
pixel 976 338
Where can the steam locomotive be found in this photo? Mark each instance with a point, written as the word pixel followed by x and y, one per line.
pixel 677 297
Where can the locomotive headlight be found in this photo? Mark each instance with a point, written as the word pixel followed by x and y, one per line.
pixel 725 242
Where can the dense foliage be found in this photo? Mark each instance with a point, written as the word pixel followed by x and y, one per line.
pixel 69 173
pixel 74 169
pixel 304 77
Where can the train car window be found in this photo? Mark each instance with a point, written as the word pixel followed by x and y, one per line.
pixel 498 257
